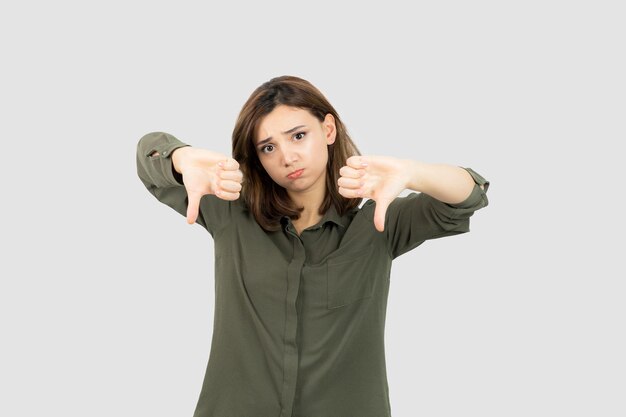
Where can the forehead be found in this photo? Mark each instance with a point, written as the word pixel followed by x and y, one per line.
pixel 281 119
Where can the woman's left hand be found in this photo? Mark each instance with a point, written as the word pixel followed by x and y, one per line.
pixel 380 178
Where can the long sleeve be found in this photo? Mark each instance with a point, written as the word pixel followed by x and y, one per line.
pixel 156 171
pixel 413 219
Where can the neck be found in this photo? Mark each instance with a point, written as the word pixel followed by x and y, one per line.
pixel 311 200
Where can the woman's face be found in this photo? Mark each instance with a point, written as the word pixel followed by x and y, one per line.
pixel 292 146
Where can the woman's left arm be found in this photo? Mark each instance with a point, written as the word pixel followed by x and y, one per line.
pixel 448 183
pixel 383 178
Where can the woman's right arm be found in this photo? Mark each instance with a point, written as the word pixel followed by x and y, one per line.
pixel 180 175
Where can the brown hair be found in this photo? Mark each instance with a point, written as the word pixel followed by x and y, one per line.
pixel 268 201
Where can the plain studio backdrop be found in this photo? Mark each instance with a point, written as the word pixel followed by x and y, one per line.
pixel 106 297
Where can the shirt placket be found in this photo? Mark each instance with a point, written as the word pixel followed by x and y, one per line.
pixel 290 359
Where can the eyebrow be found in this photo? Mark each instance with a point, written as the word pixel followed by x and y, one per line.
pixel 293 129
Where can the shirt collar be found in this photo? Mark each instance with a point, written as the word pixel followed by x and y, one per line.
pixel 331 215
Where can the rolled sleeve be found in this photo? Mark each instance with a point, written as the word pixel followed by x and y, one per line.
pixel 478 196
pixel 418 217
pixel 154 164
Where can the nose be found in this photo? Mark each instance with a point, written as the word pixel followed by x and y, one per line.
pixel 289 155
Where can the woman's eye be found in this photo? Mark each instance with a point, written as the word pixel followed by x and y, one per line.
pixel 267 148
pixel 299 135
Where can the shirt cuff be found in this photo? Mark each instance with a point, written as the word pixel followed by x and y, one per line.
pixel 478 197
pixel 157 148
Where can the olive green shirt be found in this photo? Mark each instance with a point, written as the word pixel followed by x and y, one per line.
pixel 299 320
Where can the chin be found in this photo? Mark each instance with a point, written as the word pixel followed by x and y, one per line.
pixel 296 188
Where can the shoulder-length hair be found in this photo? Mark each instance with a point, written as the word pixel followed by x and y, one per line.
pixel 266 200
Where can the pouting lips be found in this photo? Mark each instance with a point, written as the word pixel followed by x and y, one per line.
pixel 295 174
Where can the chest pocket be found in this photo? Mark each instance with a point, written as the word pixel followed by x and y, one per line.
pixel 348 280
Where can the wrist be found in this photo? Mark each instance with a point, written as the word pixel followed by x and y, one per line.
pixel 414 171
pixel 178 158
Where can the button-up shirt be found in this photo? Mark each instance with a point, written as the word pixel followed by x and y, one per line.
pixel 299 320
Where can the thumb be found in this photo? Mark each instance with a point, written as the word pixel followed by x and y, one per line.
pixel 379 213
pixel 192 207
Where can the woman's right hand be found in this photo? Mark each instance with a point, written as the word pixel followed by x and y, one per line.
pixel 206 172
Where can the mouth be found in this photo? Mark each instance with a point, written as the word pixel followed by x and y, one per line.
pixel 295 174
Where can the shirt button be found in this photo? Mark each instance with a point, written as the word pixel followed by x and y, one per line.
pixel 165 153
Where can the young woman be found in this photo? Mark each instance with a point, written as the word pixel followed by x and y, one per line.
pixel 302 268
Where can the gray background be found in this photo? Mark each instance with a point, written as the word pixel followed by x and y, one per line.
pixel 106 297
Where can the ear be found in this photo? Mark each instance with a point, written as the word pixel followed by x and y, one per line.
pixel 329 129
